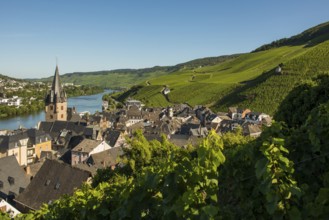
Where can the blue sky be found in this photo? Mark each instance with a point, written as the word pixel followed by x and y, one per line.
pixel 89 35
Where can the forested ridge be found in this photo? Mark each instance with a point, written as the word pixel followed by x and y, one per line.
pixel 284 174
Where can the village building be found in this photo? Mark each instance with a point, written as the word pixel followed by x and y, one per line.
pixel 13 179
pixel 38 142
pixel 87 147
pixel 53 180
pixel 237 113
pixel 15 144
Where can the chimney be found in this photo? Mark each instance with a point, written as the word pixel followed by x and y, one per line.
pixel 28 170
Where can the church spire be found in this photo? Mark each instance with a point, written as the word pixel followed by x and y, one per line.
pixel 56 101
pixel 56 87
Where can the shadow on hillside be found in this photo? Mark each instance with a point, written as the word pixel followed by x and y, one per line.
pixel 235 96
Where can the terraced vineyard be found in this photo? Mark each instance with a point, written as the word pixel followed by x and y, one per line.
pixel 207 85
pixel 266 94
pixel 248 80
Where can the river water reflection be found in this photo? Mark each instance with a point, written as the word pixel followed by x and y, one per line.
pixel 91 103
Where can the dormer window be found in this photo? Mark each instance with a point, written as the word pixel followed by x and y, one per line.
pixel 57 185
pixel 21 189
pixel 11 180
pixel 47 183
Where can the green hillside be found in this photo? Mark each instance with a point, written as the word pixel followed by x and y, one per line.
pixel 125 78
pixel 248 80
pixel 267 91
pixel 310 37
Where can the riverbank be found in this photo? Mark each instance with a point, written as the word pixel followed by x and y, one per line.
pixel 90 103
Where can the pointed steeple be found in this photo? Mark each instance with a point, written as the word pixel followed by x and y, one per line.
pixel 56 101
pixel 56 93
pixel 56 87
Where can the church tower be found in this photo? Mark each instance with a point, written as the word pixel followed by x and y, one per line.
pixel 56 101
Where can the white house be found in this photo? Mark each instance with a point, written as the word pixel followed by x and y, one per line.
pixel 255 118
pixel 87 147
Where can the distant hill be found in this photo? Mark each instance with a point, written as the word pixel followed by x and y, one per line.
pixel 9 78
pixel 310 37
pixel 249 80
pixel 125 78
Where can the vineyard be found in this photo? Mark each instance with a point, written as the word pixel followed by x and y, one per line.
pixel 267 94
pixel 284 174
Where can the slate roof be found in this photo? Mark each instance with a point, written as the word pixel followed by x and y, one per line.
pixel 53 180
pixel 199 132
pixel 58 126
pixel 153 136
pixel 111 137
pixel 87 145
pixel 251 129
pixel 185 128
pixel 11 141
pixel 106 158
pixel 37 136
pixel 9 167
pixel 179 140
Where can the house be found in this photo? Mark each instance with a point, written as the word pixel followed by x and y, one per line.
pixel 114 138
pixel 53 180
pixel 15 102
pixel 38 141
pixel 251 130
pixel 5 207
pixel 182 140
pixel 99 120
pixel 93 132
pixel 267 121
pixel 62 133
pixel 134 115
pixel 105 105
pixel 87 147
pixel 13 179
pixel 199 132
pixel 183 112
pixel 255 117
pixel 108 158
pixel 237 113
pixel 133 102
pixel 166 91
pixel 15 144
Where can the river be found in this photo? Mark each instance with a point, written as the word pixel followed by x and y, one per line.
pixel 90 103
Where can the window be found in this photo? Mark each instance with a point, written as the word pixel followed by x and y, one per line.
pixel 57 185
pixel 11 180
pixel 21 189
pixel 51 116
pixel 51 107
pixel 62 107
pixel 29 152
pixel 62 116
pixel 47 183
